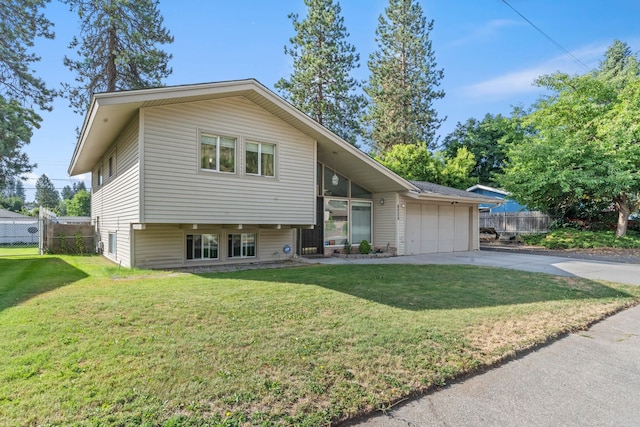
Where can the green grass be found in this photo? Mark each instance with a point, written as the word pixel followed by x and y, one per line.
pixel 18 250
pixel 85 343
pixel 567 238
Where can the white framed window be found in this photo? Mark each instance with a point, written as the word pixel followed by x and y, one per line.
pixel 202 246
pixel 113 242
pixel 361 219
pixel 111 168
pixel 260 159
pixel 217 153
pixel 242 245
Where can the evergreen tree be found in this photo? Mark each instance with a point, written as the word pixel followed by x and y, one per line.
pixel 20 90
pixel 616 59
pixel 46 193
pixel 19 192
pixel 16 124
pixel 67 193
pixel 323 59
pixel 404 79
pixel 118 48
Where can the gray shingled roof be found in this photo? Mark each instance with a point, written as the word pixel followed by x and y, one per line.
pixel 429 187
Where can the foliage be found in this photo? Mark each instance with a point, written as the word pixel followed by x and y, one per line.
pixel 83 341
pixel 571 238
pixel 80 205
pixel 320 84
pixel 364 247
pixel 416 162
pixel 585 146
pixel 69 191
pixel 488 141
pixel 117 50
pixel 46 193
pixel 347 247
pixel 13 204
pixel 16 124
pixel 22 22
pixel 403 80
pixel 21 92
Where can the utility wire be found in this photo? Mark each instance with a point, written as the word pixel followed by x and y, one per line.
pixel 548 37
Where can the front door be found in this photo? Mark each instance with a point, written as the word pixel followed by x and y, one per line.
pixel 311 242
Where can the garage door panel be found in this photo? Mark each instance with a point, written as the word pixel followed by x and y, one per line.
pixel 446 228
pixel 429 229
pixel 461 233
pixel 413 232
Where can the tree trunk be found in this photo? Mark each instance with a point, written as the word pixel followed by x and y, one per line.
pixel 624 210
pixel 111 60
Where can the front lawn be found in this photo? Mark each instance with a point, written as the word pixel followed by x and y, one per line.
pixel 85 343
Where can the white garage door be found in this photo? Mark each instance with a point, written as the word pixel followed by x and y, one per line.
pixel 432 228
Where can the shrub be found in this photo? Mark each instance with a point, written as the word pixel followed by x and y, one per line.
pixel 364 247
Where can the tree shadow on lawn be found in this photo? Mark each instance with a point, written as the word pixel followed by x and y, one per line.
pixel 436 287
pixel 24 278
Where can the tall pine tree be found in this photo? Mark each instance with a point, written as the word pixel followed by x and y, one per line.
pixel 118 49
pixel 404 79
pixel 21 91
pixel 321 84
pixel 46 193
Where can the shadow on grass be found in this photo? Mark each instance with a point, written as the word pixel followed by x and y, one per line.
pixel 436 287
pixel 24 278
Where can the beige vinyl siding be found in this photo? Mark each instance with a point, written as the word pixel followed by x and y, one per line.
pixel 163 245
pixel 385 223
pixel 271 243
pixel 177 191
pixel 121 190
pixel 475 228
pixel 401 212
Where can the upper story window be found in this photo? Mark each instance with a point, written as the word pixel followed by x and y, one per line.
pixel 110 166
pixel 99 177
pixel 217 153
pixel 260 158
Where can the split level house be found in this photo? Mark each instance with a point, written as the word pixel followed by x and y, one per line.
pixel 228 172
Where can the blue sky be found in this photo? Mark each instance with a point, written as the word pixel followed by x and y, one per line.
pixel 490 55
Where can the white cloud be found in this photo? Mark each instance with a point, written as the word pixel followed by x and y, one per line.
pixel 521 81
pixel 488 30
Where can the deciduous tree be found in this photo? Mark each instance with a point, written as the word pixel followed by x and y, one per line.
pixel 404 79
pixel 321 84
pixel 586 144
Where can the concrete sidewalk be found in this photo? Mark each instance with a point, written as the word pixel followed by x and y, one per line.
pixel 591 378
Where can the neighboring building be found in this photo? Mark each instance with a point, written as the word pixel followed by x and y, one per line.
pixel 230 172
pixel 505 204
pixel 18 229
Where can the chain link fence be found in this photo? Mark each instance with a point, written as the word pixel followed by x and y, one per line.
pixel 19 234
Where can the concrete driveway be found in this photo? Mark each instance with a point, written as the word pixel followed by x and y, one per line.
pixel 590 378
pixel 595 270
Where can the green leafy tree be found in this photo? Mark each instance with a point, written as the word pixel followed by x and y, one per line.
pixel 80 205
pixel 118 48
pixel 416 162
pixel 585 148
pixel 488 140
pixel 404 79
pixel 13 203
pixel 20 90
pixel 46 193
pixel 321 85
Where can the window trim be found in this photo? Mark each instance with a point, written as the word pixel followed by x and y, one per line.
pixel 242 255
pixel 201 258
pixel 112 238
pixel 260 168
pixel 217 136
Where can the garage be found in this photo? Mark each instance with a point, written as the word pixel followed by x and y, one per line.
pixel 432 228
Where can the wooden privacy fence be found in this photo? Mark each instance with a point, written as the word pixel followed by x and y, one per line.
pixel 67 235
pixel 516 222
